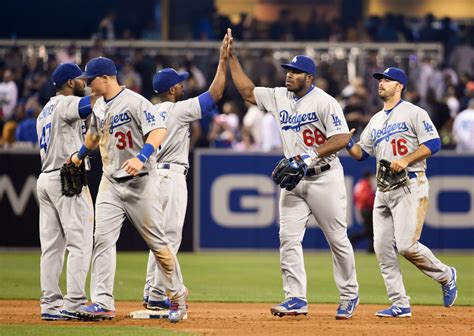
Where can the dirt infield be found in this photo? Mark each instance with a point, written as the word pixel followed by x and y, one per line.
pixel 255 319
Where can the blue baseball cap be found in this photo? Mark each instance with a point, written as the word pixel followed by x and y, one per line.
pixel 65 72
pixel 99 66
pixel 395 74
pixel 166 78
pixel 302 63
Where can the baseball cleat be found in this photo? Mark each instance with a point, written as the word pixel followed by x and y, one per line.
pixel 158 305
pixel 95 312
pixel 68 314
pixel 394 311
pixel 346 309
pixel 53 317
pixel 179 308
pixel 291 306
pixel 450 290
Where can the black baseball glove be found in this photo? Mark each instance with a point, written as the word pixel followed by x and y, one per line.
pixel 387 179
pixel 289 172
pixel 73 178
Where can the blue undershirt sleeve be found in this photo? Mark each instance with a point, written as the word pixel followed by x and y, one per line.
pixel 85 107
pixel 207 103
pixel 434 145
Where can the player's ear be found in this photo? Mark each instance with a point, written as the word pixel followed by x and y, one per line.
pixel 70 83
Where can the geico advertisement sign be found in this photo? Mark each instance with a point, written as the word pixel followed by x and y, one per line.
pixel 251 201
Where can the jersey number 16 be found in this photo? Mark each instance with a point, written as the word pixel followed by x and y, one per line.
pixel 398 147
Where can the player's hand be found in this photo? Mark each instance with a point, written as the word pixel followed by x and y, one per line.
pixel 230 46
pixel 398 165
pixel 224 51
pixel 75 160
pixel 133 166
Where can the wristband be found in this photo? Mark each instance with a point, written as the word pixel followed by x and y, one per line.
pixel 309 157
pixel 83 152
pixel 145 153
pixel 350 144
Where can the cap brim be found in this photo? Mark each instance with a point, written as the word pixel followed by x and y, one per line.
pixel 292 67
pixel 379 75
pixel 83 76
pixel 183 76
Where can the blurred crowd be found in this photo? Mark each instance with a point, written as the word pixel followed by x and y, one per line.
pixel 445 89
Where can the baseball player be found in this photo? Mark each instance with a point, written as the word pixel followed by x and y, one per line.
pixel 65 222
pixel 403 134
pixel 312 125
pixel 128 131
pixel 172 160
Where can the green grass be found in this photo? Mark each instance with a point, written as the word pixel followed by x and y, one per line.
pixel 247 277
pixel 50 330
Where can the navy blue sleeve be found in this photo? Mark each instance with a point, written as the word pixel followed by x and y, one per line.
pixel 85 107
pixel 434 145
pixel 207 103
pixel 364 156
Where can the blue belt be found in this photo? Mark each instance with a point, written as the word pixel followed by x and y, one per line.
pixel 411 175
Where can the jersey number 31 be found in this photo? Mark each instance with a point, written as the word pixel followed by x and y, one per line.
pixel 124 139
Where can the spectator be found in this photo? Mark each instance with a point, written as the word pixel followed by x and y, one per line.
pixel 364 197
pixel 130 78
pixel 8 134
pixel 247 143
pixel 427 32
pixel 26 129
pixel 271 139
pixel 225 127
pixel 463 129
pixel 67 55
pixel 462 57
pixel 8 94
pixel 356 114
pixel 106 29
pixel 252 124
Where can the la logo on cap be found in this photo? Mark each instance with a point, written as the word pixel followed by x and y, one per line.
pixel 295 59
pixel 387 70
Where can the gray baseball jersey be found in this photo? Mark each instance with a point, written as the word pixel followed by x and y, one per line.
pixel 172 182
pixel 66 223
pixel 60 131
pixel 175 148
pixel 305 123
pixel 122 124
pixel 399 214
pixel 392 135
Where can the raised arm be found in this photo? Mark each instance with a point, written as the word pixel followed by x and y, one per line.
pixel 243 84
pixel 218 84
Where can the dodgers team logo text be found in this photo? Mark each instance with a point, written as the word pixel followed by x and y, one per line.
pixel 119 120
pixel 295 122
pixel 388 130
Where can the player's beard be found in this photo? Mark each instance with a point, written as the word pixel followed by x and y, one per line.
pixel 78 90
pixel 180 96
pixel 386 94
pixel 297 86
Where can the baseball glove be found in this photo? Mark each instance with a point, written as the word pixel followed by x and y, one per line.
pixel 387 179
pixel 73 178
pixel 289 172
